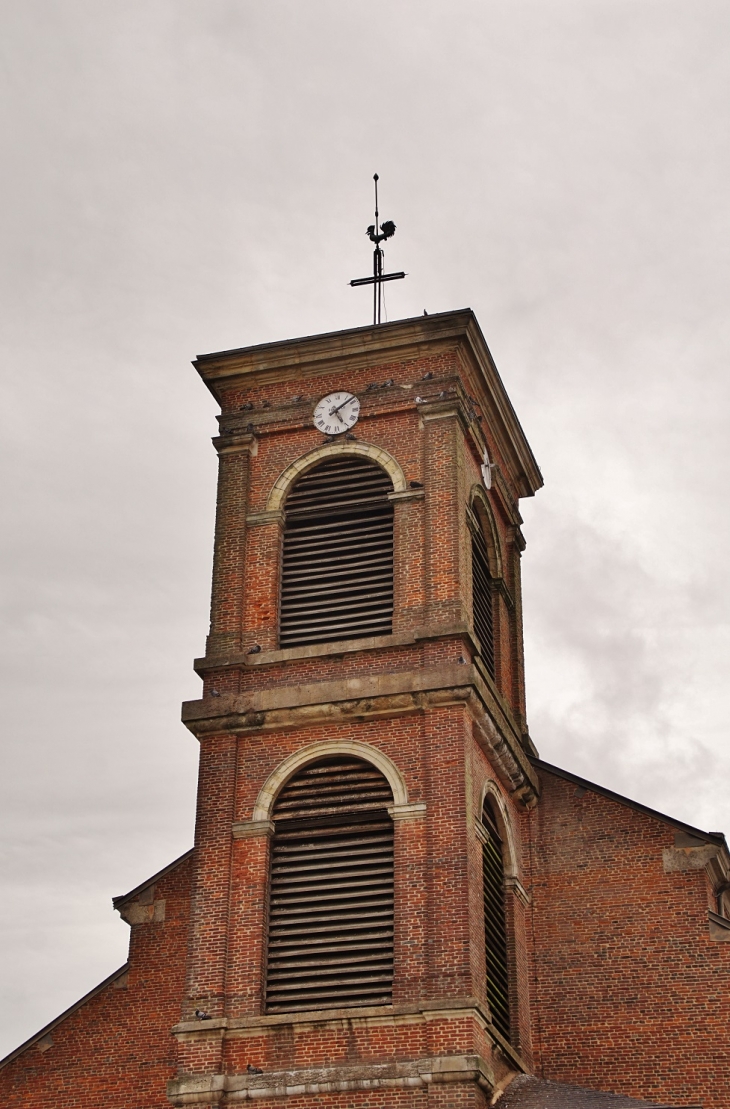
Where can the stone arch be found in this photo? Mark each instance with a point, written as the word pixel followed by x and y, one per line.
pixel 362 450
pixel 491 791
pixel 272 785
pixel 482 509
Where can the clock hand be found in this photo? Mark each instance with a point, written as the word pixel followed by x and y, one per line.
pixel 334 411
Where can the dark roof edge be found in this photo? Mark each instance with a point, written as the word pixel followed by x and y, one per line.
pixel 122 897
pixel 712 837
pixel 66 1013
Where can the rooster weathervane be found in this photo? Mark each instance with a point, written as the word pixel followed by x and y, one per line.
pixel 387 230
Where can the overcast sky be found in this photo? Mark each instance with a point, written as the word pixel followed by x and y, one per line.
pixel 183 176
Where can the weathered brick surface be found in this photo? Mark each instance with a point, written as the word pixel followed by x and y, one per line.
pixel 630 994
pixel 432 580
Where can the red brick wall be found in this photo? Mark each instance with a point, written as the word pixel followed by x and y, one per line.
pixel 439 941
pixel 435 933
pixel 432 549
pixel 630 994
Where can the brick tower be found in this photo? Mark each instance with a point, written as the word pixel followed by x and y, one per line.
pixel 362 726
pixel 391 901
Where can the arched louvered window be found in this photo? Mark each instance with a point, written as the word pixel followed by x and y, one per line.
pixel 330 941
pixel 482 598
pixel 495 922
pixel 337 573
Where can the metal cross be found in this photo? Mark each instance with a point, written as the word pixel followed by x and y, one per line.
pixel 387 230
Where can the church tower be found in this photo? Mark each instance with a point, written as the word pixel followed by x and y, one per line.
pixel 392 902
pixel 357 908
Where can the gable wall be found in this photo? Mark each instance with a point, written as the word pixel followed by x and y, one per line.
pixel 630 992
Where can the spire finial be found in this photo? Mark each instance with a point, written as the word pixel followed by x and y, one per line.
pixel 386 231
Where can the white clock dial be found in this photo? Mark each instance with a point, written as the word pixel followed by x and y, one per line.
pixel 336 413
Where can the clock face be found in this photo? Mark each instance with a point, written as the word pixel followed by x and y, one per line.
pixel 336 413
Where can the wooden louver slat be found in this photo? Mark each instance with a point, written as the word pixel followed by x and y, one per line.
pixel 495 924
pixel 481 584
pixel 337 570
pixel 330 942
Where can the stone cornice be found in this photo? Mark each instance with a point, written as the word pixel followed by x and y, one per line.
pixel 318 354
pixel 235 443
pixel 372 696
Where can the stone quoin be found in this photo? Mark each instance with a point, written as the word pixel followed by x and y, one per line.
pixel 392 902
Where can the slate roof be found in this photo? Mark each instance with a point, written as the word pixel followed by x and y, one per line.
pixel 526 1092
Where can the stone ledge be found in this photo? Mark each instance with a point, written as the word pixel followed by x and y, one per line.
pixel 414 811
pixel 243 829
pixel 419 634
pixel 236 442
pixel 360 1015
pixel 437 409
pixel 211 1089
pixel 407 495
pixel 363 1016
pixel 212 1028
pixel 256 519
pixel 231 710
